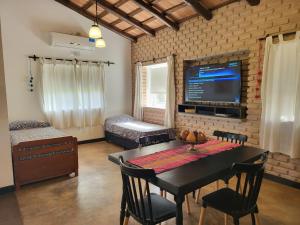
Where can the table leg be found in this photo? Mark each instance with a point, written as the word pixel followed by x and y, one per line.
pixel 179 217
pixel 122 211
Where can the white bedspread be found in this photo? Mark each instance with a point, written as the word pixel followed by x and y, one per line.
pixel 18 136
pixel 141 126
pixel 128 127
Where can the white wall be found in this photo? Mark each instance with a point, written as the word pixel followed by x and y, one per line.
pixel 25 31
pixel 6 175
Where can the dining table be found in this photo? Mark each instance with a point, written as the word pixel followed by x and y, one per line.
pixel 187 178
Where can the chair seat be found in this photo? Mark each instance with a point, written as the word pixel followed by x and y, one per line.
pixel 225 200
pixel 162 209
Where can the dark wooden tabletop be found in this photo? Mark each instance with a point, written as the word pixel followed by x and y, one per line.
pixel 189 177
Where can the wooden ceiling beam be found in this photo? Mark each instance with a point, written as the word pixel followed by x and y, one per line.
pixel 149 19
pixel 102 14
pixel 87 5
pixel 169 11
pixel 118 12
pixel 157 14
pixel 175 8
pixel 136 11
pixel 103 23
pixel 253 2
pixel 120 2
pixel 154 1
pixel 166 12
pixel 117 21
pixel 200 9
pixel 129 29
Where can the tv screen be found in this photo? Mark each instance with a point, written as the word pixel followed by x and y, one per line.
pixel 213 83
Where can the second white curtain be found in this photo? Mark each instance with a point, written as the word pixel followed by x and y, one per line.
pixel 169 120
pixel 72 94
pixel 280 121
pixel 138 92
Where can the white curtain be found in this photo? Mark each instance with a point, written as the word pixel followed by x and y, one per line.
pixel 169 120
pixel 280 120
pixel 72 93
pixel 138 93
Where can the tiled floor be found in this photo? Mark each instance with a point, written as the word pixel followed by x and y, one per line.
pixel 94 198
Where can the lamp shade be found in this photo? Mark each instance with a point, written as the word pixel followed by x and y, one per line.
pixel 95 32
pixel 100 43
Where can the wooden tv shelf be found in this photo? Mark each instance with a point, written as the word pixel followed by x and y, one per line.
pixel 233 112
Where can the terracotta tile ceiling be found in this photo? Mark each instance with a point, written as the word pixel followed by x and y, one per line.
pixel 135 18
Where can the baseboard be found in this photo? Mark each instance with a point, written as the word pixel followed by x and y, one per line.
pixel 281 180
pixel 91 141
pixel 7 189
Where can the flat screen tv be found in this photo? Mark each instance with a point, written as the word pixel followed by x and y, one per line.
pixel 220 83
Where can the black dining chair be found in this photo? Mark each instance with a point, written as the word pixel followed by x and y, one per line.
pixel 228 137
pixel 232 137
pixel 147 209
pixel 156 139
pixel 153 139
pixel 232 202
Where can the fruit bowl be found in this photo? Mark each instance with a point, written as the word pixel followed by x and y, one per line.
pixel 192 138
pixel 191 147
pixel 194 143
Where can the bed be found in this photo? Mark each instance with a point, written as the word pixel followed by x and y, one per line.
pixel 41 152
pixel 126 131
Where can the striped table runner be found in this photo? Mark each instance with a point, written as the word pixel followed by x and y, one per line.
pixel 171 158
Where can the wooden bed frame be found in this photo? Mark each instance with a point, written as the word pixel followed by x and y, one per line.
pixel 44 159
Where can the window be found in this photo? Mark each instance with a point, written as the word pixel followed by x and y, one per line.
pixel 155 84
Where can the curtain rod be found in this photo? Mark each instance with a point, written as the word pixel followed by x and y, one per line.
pixel 154 59
pixel 34 57
pixel 275 34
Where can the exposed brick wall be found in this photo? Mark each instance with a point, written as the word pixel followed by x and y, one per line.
pixel 154 115
pixel 283 166
pixel 233 27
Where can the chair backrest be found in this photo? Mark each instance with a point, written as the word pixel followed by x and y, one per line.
pixel 154 139
pixel 232 137
pixel 139 205
pixel 251 182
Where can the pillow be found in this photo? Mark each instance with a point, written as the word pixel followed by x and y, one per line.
pixel 120 118
pixel 27 124
pixel 117 119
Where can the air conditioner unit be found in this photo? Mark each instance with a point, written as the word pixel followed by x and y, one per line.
pixel 71 41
